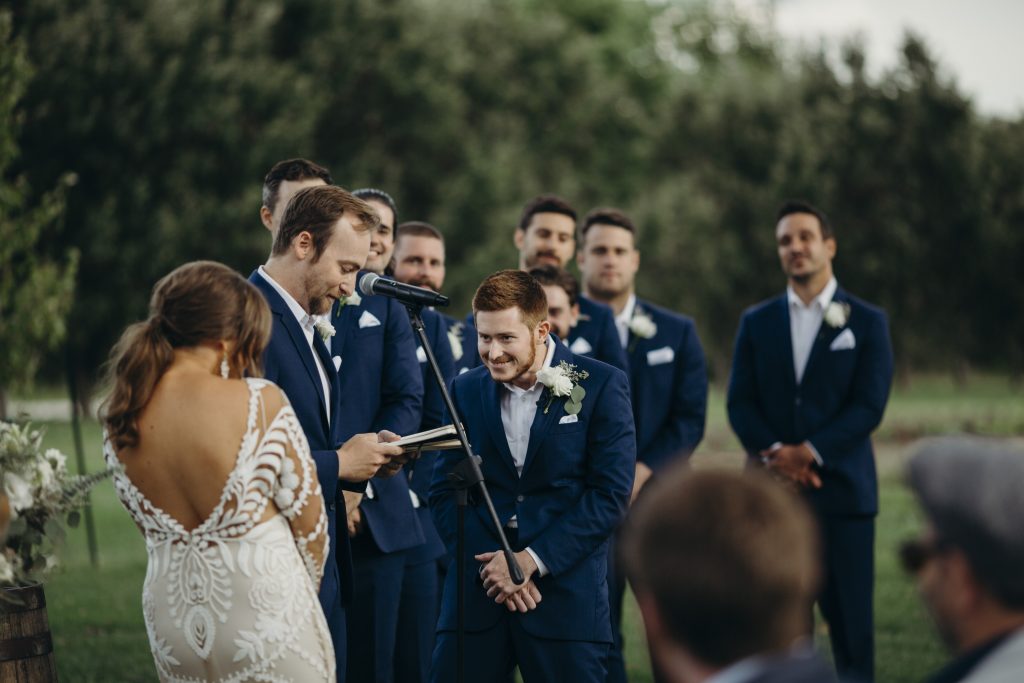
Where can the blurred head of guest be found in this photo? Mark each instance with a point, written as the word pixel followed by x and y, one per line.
pixel 282 182
pixel 418 258
pixel 382 238
pixel 563 293
pixel 546 232
pixel 969 561
pixel 725 567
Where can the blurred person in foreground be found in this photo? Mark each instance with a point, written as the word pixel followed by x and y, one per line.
pixel 969 562
pixel 811 373
pixel 218 477
pixel 725 569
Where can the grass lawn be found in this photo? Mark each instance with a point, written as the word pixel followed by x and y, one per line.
pixel 96 617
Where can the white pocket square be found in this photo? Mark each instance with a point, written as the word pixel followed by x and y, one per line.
pixel 844 341
pixel 661 356
pixel 368 319
pixel 337 363
pixel 421 355
pixel 581 346
pixel 568 419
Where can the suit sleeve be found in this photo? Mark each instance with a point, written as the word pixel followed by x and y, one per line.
pixel 401 396
pixel 865 405
pixel 433 401
pixel 684 427
pixel 611 461
pixel 742 402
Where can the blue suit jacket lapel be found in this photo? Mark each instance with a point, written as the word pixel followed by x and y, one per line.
pixel 542 422
pixel 826 335
pixel 490 398
pixel 280 309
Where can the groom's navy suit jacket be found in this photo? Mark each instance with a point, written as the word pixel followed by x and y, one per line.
pixel 837 404
pixel 574 490
pixel 381 388
pixel 289 363
pixel 669 380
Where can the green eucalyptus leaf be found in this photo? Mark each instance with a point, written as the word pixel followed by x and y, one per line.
pixel 573 408
pixel 578 392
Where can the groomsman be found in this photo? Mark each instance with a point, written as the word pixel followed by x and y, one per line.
pixel 667 371
pixel 563 295
pixel 546 234
pixel 382 388
pixel 320 243
pixel 811 374
pixel 559 469
pixel 418 259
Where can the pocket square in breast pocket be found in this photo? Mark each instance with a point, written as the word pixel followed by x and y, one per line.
pixel 368 319
pixel 337 363
pixel 421 355
pixel 568 419
pixel 661 356
pixel 844 341
pixel 581 347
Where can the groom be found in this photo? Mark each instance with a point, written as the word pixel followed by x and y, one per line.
pixel 811 373
pixel 560 470
pixel 319 246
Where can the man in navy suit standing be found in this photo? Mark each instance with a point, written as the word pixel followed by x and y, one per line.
pixel 811 374
pixel 418 259
pixel 381 388
pixel 320 244
pixel 555 435
pixel 667 370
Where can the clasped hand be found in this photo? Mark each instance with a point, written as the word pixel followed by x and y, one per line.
pixel 794 463
pixel 498 582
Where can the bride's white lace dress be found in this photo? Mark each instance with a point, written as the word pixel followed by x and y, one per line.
pixel 234 599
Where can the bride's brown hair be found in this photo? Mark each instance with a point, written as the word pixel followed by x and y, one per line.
pixel 198 302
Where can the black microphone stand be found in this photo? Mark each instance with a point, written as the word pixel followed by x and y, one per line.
pixel 463 477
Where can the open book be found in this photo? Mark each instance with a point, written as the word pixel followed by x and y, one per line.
pixel 440 439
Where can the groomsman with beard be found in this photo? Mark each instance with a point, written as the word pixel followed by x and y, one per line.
pixel 418 259
pixel 382 388
pixel 555 434
pixel 321 240
pixel 667 371
pixel 811 374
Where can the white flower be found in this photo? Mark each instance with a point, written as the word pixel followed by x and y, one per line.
pixel 6 570
pixel 352 299
pixel 45 474
pixel 57 460
pixel 555 379
pixel 324 328
pixel 836 314
pixel 19 493
pixel 456 342
pixel 642 325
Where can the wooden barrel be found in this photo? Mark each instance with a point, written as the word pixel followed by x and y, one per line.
pixel 26 649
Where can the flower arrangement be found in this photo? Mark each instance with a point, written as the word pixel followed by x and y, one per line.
pixel 39 493
pixel 837 313
pixel 564 380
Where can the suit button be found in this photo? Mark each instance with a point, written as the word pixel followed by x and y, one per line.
pixel 520 499
pixel 330 507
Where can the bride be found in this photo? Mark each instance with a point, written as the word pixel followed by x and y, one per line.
pixel 218 477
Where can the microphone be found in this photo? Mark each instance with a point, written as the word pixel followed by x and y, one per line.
pixel 371 283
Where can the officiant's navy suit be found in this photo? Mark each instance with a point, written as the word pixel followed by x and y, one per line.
pixel 289 363
pixel 574 490
pixel 381 388
pixel 837 404
pixel 596 327
pixel 668 381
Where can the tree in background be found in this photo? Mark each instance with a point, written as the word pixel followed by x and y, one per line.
pixel 35 292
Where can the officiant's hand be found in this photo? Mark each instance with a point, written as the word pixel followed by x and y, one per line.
pixel 497 581
pixel 794 462
pixel 363 455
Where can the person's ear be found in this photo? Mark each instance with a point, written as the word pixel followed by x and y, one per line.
pixel 267 218
pixel 543 330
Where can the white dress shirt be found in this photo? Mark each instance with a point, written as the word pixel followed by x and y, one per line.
pixel 622 320
pixel 804 323
pixel 518 409
pixel 308 324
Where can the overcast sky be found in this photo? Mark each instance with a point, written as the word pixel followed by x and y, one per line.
pixel 979 42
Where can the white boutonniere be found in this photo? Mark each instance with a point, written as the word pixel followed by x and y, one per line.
pixel 352 299
pixel 324 328
pixel 455 339
pixel 564 380
pixel 642 326
pixel 837 313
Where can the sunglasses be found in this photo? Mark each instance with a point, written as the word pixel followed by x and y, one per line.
pixel 916 552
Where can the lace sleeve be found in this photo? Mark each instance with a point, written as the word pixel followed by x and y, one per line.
pixel 297 493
